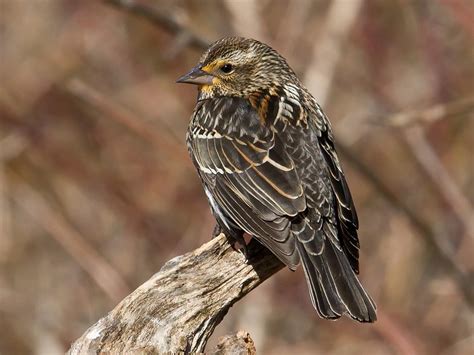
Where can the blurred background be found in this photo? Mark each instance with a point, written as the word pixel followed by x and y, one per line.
pixel 97 191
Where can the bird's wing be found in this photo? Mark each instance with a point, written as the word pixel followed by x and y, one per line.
pixel 346 213
pixel 247 171
pixel 325 233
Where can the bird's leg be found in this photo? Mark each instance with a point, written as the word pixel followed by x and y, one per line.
pixel 254 247
pixel 236 238
pixel 238 243
pixel 217 230
pixel 251 247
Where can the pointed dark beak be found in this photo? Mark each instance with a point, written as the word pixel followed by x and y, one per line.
pixel 196 76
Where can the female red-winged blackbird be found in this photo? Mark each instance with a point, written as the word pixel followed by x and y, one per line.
pixel 265 154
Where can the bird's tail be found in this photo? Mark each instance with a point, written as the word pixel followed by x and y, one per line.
pixel 333 285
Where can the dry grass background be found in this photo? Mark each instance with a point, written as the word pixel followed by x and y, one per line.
pixel 97 191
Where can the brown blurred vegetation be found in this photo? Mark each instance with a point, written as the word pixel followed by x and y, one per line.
pixel 97 191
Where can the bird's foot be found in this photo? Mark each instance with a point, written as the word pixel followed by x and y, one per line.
pixel 249 247
pixel 243 243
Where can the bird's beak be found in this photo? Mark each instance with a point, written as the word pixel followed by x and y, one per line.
pixel 196 76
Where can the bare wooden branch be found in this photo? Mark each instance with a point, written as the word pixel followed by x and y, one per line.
pixel 240 343
pixel 177 309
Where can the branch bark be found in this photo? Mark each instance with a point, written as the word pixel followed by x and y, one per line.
pixel 178 308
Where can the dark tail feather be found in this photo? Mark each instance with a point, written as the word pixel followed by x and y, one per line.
pixel 333 285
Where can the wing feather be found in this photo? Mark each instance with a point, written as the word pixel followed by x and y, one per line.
pixel 248 172
pixel 347 220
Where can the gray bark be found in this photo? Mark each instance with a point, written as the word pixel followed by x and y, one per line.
pixel 177 309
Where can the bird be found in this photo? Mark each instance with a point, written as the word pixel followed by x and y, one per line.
pixel 265 153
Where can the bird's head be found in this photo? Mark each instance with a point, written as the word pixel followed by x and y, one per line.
pixel 235 66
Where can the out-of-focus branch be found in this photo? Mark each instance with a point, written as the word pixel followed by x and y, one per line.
pixel 5 216
pixel 246 18
pixel 435 170
pixel 292 25
pixel 339 21
pixel 431 114
pixel 404 342
pixel 462 12
pixel 126 118
pixel 427 158
pixel 166 21
pixel 101 271
pixel 10 147
pixel 444 253
pixel 177 309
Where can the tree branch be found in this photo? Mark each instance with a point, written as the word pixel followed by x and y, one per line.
pixel 240 343
pixel 177 309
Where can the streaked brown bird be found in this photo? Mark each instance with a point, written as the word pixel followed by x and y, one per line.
pixel 264 151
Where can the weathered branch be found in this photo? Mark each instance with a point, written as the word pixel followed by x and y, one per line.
pixel 177 309
pixel 240 343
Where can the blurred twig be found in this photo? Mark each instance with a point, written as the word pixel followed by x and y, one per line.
pixel 292 25
pixel 10 147
pixel 120 114
pixel 445 255
pixel 100 270
pixel 5 216
pixel 161 19
pixel 435 170
pixel 178 308
pixel 339 21
pixel 246 18
pixel 431 114
pixel 427 158
pixel 394 332
pixel 462 12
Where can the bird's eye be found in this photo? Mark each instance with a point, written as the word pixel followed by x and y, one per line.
pixel 227 68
